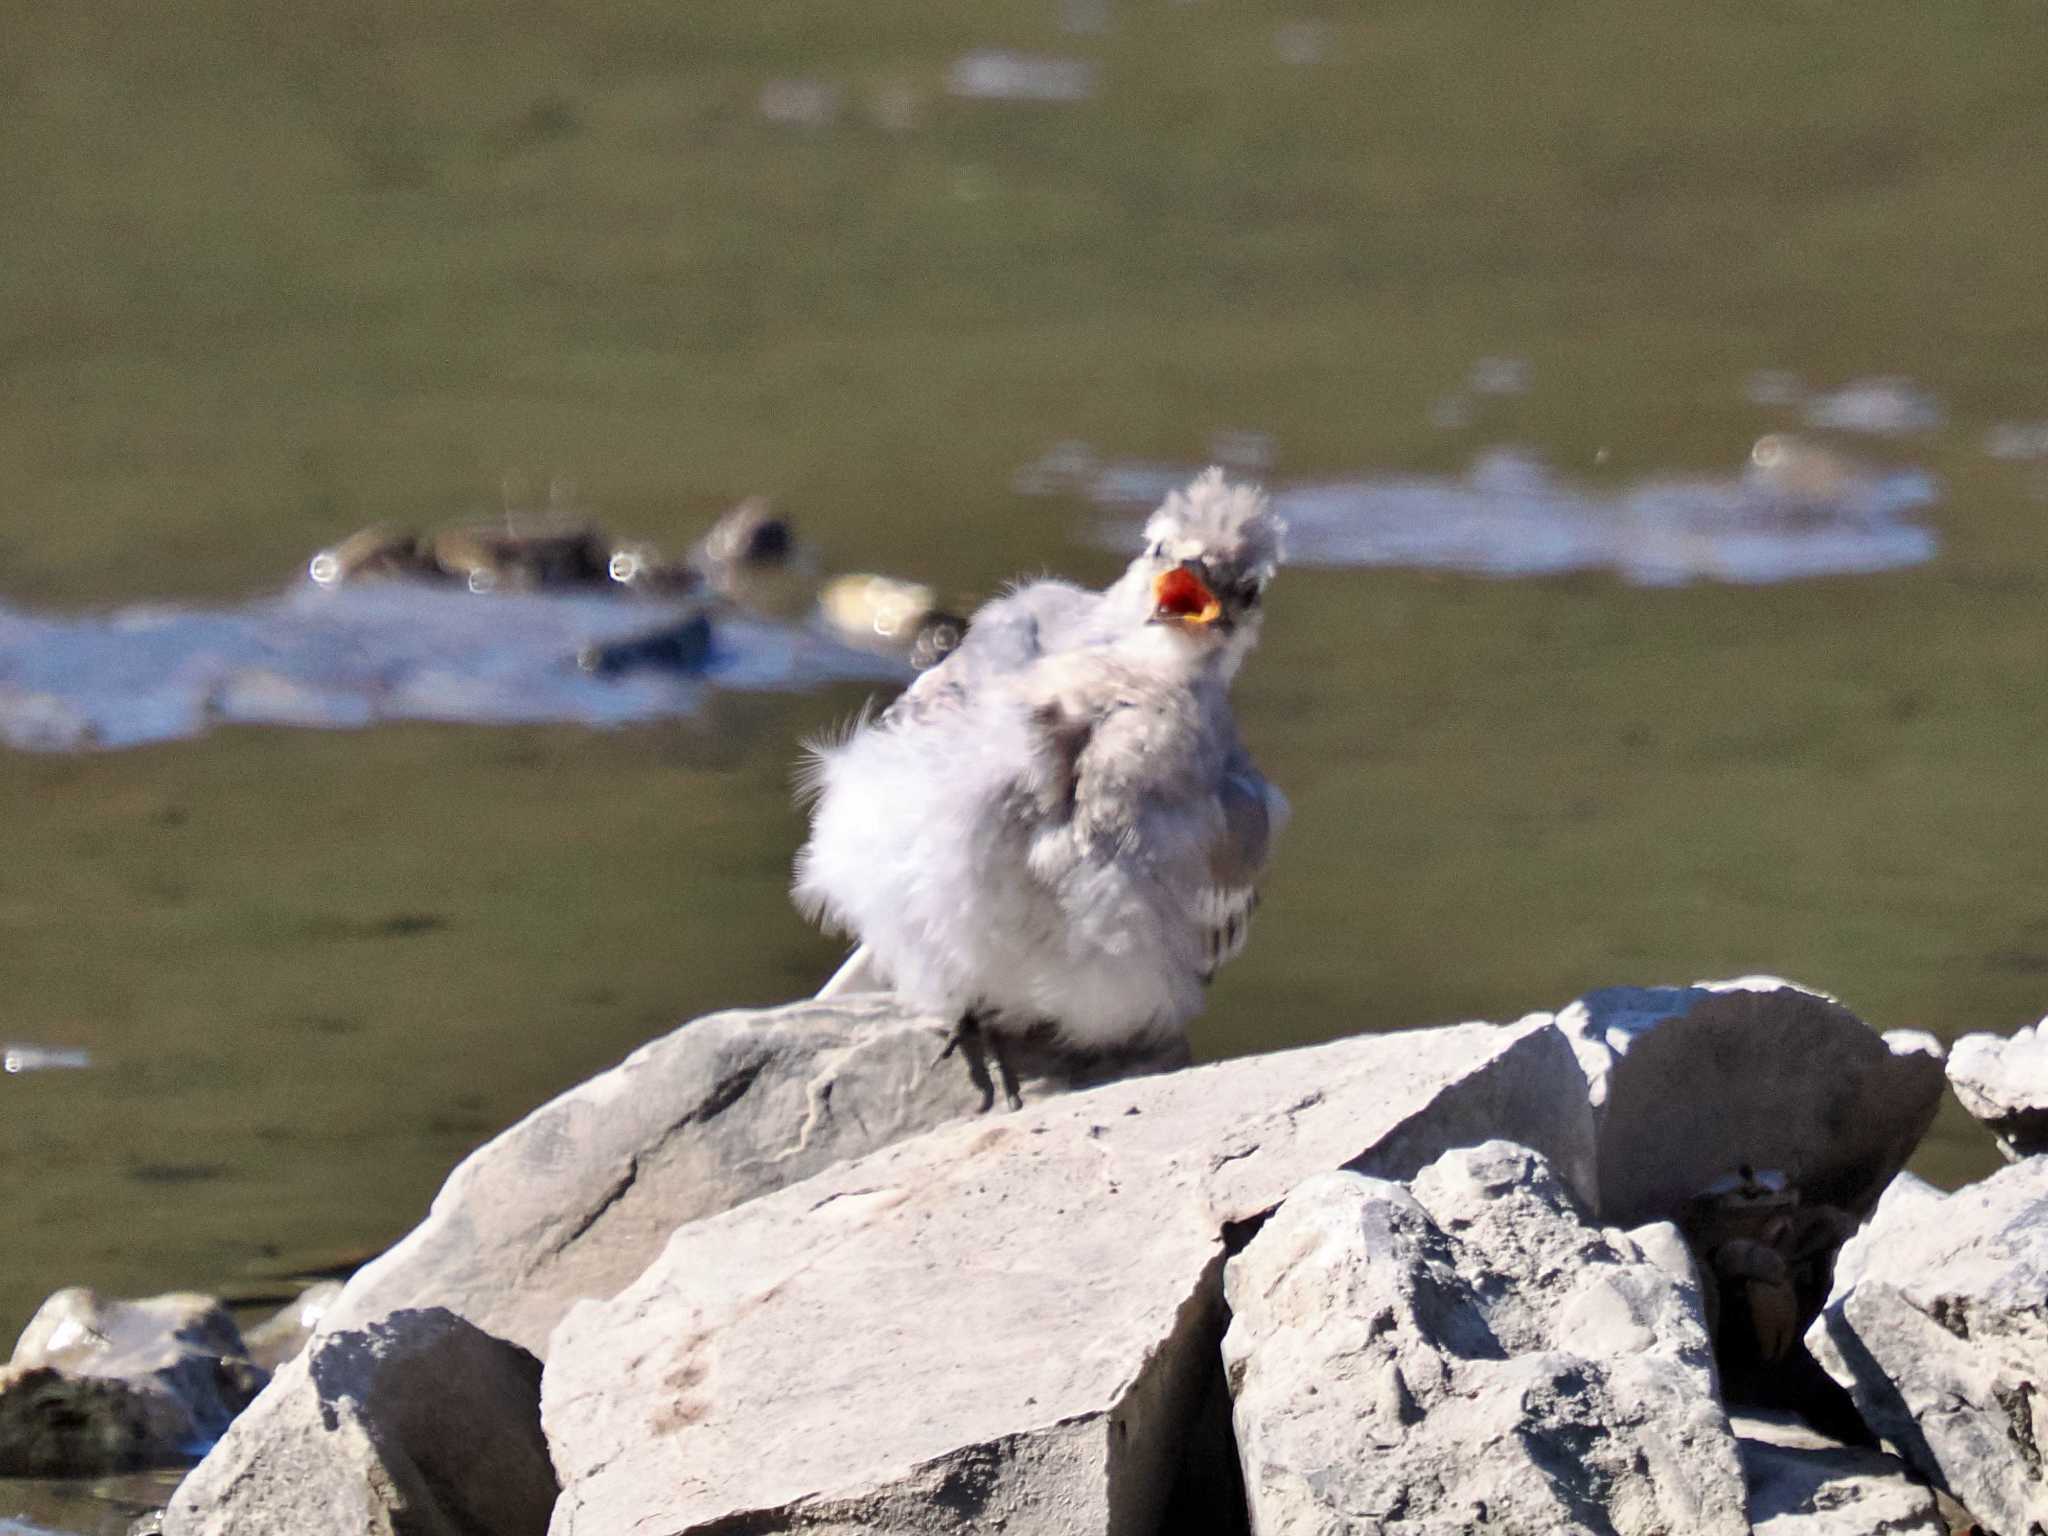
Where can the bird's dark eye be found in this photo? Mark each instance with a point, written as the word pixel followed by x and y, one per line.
pixel 1248 596
pixel 1156 551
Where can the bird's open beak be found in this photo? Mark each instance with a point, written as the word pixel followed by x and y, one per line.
pixel 1181 594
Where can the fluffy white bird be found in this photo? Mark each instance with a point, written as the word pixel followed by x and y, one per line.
pixel 1060 826
pixel 1231 535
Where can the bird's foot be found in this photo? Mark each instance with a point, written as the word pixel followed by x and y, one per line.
pixel 1006 1073
pixel 976 1045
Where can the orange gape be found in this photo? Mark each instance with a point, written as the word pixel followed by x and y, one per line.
pixel 1181 593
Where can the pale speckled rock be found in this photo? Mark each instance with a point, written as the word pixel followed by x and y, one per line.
pixel 1468 1353
pixel 419 1425
pixel 1691 1083
pixel 102 1385
pixel 574 1200
pixel 1801 1483
pixel 2004 1083
pixel 1938 1326
pixel 1002 1324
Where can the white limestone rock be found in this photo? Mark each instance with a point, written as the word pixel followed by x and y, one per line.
pixel 2004 1083
pixel 1006 1323
pixel 1938 1327
pixel 1469 1353
pixel 577 1198
pixel 419 1425
pixel 1801 1483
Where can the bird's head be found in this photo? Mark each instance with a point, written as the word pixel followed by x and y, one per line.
pixel 1225 540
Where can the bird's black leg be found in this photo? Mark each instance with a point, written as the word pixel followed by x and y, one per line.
pixel 969 1040
pixel 1011 1096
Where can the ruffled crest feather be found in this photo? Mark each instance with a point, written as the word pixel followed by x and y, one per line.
pixel 1235 521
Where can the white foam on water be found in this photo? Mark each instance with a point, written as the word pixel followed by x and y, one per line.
pixel 1889 406
pixel 1510 515
pixel 352 656
pixel 2018 440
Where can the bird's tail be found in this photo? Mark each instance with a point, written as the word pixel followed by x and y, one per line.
pixel 858 974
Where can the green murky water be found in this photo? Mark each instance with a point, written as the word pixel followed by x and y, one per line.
pixel 274 271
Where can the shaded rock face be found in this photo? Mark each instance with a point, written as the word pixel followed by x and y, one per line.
pixel 1938 1326
pixel 1468 1353
pixel 577 1198
pixel 1764 1118
pixel 99 1385
pixel 418 1426
pixel 1694 1083
pixel 2004 1083
pixel 1006 1323
pixel 1803 1484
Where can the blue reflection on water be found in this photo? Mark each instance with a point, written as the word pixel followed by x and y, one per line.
pixel 355 655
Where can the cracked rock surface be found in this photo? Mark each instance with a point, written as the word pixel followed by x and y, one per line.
pixel 575 1199
pixel 1469 1353
pixel 1006 1323
pixel 1803 1484
pixel 1938 1326
pixel 419 1425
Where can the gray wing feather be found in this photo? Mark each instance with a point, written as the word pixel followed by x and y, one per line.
pixel 1254 812
pixel 1076 768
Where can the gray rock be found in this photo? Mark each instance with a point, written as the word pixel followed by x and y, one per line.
pixel 2004 1083
pixel 1803 1484
pixel 1664 1246
pixel 1468 1353
pixel 1005 1323
pixel 278 1337
pixel 1692 1083
pixel 1938 1326
pixel 98 1385
pixel 419 1425
pixel 577 1198
pixel 1907 1198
